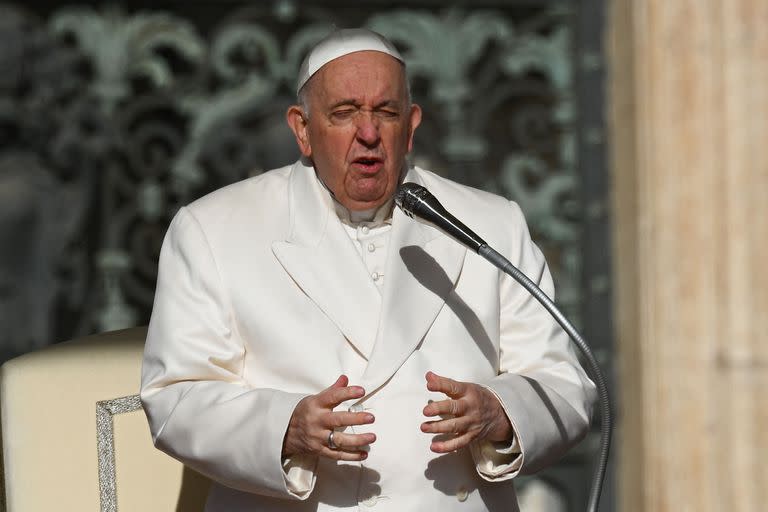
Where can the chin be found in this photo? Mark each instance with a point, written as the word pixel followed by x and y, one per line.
pixel 364 204
pixel 372 197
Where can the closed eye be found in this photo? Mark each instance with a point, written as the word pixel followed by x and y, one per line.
pixel 387 113
pixel 344 113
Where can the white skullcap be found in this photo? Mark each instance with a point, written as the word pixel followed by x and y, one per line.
pixel 343 42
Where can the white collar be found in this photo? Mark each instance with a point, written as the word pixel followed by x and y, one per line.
pixel 373 217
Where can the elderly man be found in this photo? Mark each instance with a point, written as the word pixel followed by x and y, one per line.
pixel 311 348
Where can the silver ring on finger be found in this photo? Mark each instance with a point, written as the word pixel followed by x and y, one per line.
pixel 331 444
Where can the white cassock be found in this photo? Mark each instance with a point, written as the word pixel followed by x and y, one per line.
pixel 262 299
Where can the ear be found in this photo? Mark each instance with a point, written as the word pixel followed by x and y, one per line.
pixel 414 121
pixel 297 122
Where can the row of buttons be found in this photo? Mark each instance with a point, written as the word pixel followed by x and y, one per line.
pixel 377 261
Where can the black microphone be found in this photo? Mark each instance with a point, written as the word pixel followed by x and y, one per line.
pixel 418 203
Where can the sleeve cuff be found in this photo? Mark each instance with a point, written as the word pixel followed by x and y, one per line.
pixel 299 475
pixel 493 463
pixel 498 460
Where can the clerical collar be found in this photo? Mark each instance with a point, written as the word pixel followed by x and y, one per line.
pixel 373 217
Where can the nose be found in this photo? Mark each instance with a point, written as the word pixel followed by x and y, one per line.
pixel 367 129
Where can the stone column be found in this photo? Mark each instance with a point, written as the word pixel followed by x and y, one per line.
pixel 689 124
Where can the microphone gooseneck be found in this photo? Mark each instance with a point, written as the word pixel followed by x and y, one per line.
pixel 418 203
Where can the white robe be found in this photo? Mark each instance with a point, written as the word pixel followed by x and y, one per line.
pixel 262 299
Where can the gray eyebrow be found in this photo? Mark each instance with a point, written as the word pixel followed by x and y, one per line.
pixel 355 103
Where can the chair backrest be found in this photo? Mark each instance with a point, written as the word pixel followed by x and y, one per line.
pixel 74 436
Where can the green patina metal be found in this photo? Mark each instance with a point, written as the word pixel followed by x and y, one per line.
pixel 125 116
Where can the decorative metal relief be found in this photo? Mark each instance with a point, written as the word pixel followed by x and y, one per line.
pixel 112 119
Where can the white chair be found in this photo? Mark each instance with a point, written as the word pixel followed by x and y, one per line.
pixel 74 437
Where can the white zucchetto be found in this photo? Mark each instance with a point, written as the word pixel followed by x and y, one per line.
pixel 343 42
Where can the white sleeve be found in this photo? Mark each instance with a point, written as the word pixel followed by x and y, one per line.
pixel 200 410
pixel 541 385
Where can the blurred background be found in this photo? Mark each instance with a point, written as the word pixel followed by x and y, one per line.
pixel 632 133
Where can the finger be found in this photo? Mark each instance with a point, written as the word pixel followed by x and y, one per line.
pixel 452 444
pixel 449 426
pixel 341 382
pixel 450 387
pixel 339 420
pixel 446 408
pixel 333 396
pixel 353 442
pixel 343 454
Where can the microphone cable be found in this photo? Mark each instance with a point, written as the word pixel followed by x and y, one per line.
pixel 417 202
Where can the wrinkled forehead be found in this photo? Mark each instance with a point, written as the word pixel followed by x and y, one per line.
pixel 340 43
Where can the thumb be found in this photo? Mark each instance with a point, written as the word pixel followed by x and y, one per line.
pixel 341 382
pixel 338 392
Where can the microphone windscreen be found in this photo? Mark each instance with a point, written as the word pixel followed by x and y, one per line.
pixel 418 203
pixel 408 195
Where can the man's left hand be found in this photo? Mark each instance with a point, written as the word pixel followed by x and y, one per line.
pixel 473 414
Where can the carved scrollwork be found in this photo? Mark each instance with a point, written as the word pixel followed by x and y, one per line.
pixel 142 112
pixel 124 48
pixel 111 119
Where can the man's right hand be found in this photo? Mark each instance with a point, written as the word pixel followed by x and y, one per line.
pixel 314 419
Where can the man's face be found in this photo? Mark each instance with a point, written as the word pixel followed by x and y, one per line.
pixel 360 127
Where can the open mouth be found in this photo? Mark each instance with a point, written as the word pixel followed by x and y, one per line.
pixel 367 163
